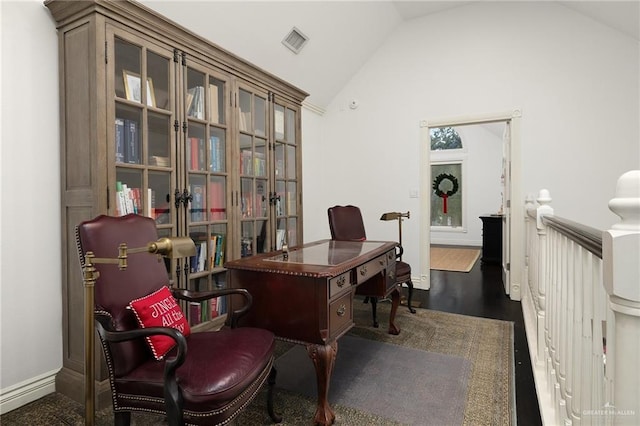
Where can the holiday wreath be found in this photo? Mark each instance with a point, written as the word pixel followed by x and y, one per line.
pixel 445 194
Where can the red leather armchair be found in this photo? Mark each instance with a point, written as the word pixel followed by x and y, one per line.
pixel 345 223
pixel 208 378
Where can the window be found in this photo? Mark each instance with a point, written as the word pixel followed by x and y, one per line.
pixel 446 194
pixel 444 138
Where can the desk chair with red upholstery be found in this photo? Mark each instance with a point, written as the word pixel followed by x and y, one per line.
pixel 209 377
pixel 346 224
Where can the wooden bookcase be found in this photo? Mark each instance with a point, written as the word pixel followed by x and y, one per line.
pixel 158 121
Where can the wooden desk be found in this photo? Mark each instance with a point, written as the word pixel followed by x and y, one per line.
pixel 308 298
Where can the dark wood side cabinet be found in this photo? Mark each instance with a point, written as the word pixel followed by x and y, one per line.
pixel 491 238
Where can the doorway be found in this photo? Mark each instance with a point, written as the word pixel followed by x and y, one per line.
pixel 512 230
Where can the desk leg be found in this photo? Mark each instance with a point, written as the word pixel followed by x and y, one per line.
pixel 395 301
pixel 323 357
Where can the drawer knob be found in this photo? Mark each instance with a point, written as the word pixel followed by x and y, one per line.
pixel 392 274
pixel 341 281
pixel 341 310
pixel 381 262
pixel 363 270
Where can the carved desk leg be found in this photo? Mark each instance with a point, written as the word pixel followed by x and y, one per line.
pixel 323 358
pixel 395 301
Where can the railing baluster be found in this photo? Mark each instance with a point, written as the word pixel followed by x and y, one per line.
pixel 582 312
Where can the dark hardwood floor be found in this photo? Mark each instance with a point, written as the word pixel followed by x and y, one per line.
pixel 480 293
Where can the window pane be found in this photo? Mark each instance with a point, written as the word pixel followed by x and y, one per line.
pixel 444 138
pixel 446 194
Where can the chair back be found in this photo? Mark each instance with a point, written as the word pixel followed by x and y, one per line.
pixel 346 224
pixel 114 289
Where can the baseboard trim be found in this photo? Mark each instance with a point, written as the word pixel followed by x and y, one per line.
pixel 28 391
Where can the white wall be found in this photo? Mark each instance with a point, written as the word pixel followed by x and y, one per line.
pixel 31 306
pixel 575 80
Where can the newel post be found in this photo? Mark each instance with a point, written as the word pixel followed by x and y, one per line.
pixel 544 209
pixel 621 277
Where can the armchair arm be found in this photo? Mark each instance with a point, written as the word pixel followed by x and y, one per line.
pixel 198 296
pixel 399 251
pixel 172 394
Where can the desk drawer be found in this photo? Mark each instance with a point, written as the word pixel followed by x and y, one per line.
pixel 371 268
pixel 340 283
pixel 341 314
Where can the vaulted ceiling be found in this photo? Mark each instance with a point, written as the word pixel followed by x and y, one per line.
pixel 342 34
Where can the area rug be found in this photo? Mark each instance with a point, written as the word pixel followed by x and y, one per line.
pixel 438 381
pixel 453 259
pixel 484 345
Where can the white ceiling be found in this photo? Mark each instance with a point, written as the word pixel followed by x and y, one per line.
pixel 343 33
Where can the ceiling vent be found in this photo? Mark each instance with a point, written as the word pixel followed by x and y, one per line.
pixel 295 40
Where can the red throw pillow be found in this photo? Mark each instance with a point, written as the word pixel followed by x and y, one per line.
pixel 160 309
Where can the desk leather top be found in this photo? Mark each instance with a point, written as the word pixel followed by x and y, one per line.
pixel 324 258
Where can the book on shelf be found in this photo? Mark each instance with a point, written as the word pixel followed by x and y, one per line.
pixel 205 309
pixel 128 200
pixel 150 204
pixel 244 119
pixel 196 153
pixel 197 263
pixel 121 208
pixel 216 155
pixel 214 112
pixel 120 141
pixel 260 209
pixel 202 256
pixel 246 205
pixel 253 163
pixel 132 142
pixel 216 250
pixel 197 203
pixel 246 162
pixel 259 164
pixel 213 307
pixel 157 160
pixel 212 251
pixel 195 313
pixel 220 248
pixel 221 303
pixel 218 206
pixel 195 102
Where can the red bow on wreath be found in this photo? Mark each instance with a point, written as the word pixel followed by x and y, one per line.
pixel 445 194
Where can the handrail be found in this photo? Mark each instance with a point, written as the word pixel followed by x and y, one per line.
pixel 586 236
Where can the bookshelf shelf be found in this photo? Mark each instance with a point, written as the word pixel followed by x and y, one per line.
pixel 158 121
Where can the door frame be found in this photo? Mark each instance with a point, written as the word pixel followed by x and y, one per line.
pixel 513 230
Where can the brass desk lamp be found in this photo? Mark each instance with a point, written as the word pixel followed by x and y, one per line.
pixel 394 216
pixel 173 248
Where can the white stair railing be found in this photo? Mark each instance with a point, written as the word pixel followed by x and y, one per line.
pixel 581 308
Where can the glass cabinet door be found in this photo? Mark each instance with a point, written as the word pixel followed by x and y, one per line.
pixel 207 178
pixel 253 169
pixel 286 157
pixel 143 135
